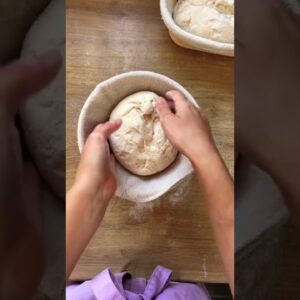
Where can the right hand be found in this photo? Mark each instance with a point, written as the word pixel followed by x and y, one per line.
pixel 187 129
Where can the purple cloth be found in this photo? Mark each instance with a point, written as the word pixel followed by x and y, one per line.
pixel 107 286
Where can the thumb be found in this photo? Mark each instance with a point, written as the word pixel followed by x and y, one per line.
pixel 108 128
pixel 163 109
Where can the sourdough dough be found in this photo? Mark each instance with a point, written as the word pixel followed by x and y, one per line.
pixel 43 115
pixel 140 145
pixel 212 19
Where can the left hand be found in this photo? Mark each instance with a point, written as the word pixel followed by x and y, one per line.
pixel 95 176
pixel 94 186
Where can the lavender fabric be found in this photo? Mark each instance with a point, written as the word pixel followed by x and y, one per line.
pixel 107 286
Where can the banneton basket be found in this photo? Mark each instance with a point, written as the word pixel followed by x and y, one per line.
pixel 97 109
pixel 189 40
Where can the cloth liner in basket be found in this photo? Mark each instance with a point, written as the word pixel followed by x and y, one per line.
pixel 189 40
pixel 98 108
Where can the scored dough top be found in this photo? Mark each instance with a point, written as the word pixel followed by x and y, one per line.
pixel 140 145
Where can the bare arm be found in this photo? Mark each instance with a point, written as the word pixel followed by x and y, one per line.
pixel 217 186
pixel 88 199
pixel 189 131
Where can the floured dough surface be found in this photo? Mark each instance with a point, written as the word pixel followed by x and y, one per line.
pixel 212 19
pixel 140 145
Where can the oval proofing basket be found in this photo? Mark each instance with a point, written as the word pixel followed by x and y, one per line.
pixel 188 40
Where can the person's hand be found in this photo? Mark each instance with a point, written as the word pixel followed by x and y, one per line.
pixel 20 240
pixel 185 126
pixel 95 176
pixel 188 130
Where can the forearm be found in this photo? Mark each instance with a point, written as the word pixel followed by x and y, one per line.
pixel 83 217
pixel 217 186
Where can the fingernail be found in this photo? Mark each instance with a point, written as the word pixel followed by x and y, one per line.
pixel 98 126
pixel 169 94
pixel 118 121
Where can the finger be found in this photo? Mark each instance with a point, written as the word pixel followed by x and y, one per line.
pixel 21 79
pixel 108 128
pixel 163 109
pixel 95 144
pixel 178 98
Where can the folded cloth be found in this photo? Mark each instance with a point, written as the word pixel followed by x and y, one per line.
pixel 107 286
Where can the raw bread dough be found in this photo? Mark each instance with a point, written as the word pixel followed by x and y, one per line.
pixel 43 115
pixel 212 19
pixel 140 145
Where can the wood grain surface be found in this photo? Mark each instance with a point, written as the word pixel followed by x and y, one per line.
pixel 109 37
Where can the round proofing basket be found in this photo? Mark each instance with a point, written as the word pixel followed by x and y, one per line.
pixel 97 109
pixel 189 40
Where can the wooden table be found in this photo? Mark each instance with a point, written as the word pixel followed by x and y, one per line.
pixel 106 38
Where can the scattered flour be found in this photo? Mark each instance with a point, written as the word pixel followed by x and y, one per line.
pixel 175 196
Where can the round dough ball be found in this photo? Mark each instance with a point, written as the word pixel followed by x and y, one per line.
pixel 140 145
pixel 211 19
